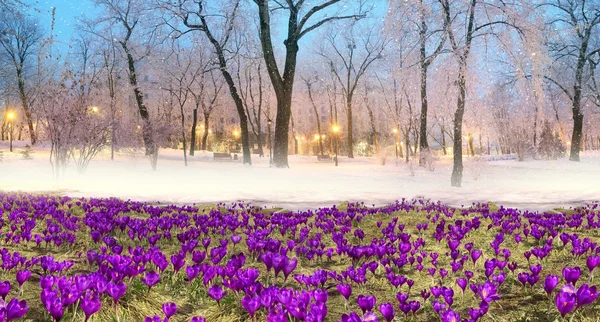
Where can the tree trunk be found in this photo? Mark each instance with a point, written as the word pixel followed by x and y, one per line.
pixel 416 141
pixel 350 136
pixel 205 134
pixel 183 135
pixel 314 106
pixel 139 99
pixel 407 144
pixel 577 113
pixel 442 129
pixel 457 170
pixel 25 105
pixel 373 127
pixel 471 145
pixel 193 134
pixel 423 144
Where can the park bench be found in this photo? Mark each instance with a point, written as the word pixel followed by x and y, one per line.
pixel 220 156
pixel 323 157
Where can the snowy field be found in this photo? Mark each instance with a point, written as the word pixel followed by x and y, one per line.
pixel 535 185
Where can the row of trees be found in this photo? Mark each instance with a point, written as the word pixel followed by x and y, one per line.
pixel 435 70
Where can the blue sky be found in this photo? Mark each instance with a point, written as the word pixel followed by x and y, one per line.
pixel 68 12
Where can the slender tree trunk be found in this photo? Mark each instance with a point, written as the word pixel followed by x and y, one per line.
pixel 424 145
pixel 443 139
pixel 183 135
pixel 193 134
pixel 314 106
pixel 577 113
pixel 373 129
pixel 471 145
pixel 25 105
pixel 350 126
pixel 205 134
pixel 113 134
pixel 139 99
pixel 457 170
pixel 407 144
pixel 416 141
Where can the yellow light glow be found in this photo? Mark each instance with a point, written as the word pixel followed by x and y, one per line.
pixel 323 136
pixel 209 131
pixel 95 109
pixel 568 142
pixel 336 128
pixel 236 133
pixel 316 137
pixel 10 115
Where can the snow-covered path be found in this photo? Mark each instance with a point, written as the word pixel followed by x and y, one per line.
pixel 536 185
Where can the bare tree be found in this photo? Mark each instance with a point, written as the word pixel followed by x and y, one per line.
pixel 303 18
pixel 129 23
pixel 309 83
pixel 252 91
pixel 493 16
pixel 182 73
pixel 574 46
pixel 207 98
pixel 349 63
pixel 195 18
pixel 19 37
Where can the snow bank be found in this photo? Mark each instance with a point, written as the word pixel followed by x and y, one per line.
pixel 536 185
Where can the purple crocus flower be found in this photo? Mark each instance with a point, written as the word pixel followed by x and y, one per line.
pixel 23 276
pixel 150 279
pixel 251 304
pixel 366 302
pixel 565 302
pixel 586 295
pixel 169 309
pixel 450 316
pixel 370 317
pixel 16 309
pixel 488 292
pixel 236 239
pixel 462 283
pixel 345 290
pixel 592 262
pixel 198 319
pixel 550 283
pixel 116 291
pixel 90 304
pixel 4 289
pixel 216 293
pixel 387 311
pixel 475 254
pixel 571 274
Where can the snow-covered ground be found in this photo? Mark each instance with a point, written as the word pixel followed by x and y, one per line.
pixel 536 185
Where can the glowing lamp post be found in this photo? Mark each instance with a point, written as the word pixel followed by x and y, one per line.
pixel 336 131
pixel 236 135
pixel 11 117
pixel 269 122
pixel 397 141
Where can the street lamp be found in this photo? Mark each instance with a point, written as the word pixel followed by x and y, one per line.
pixel 397 141
pixel 336 130
pixel 236 135
pixel 11 117
pixel 269 122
